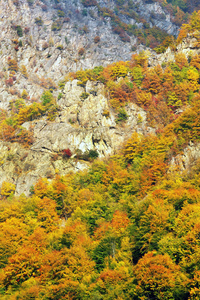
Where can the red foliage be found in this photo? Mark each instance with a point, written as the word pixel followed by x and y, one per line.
pixel 66 20
pixel 9 81
pixel 125 37
pixel 88 3
pixel 96 39
pixel 26 30
pixel 81 51
pixel 44 7
pixel 66 153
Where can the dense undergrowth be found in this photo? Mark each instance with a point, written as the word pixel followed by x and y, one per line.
pixel 129 228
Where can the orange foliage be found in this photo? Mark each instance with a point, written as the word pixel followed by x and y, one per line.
pixel 152 81
pixel 110 276
pixel 157 271
pixel 195 62
pixel 181 60
pixel 120 221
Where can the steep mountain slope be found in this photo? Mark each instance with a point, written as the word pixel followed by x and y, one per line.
pixel 40 43
pixel 48 39
pixel 93 110
pixel 128 227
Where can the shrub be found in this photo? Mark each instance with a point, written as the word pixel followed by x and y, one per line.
pixel 60 47
pixel 66 20
pixel 12 63
pixel 66 153
pixel 24 137
pixel 13 91
pixel 81 51
pixel 48 83
pixel 96 39
pixel 30 2
pixel 26 30
pixel 93 154
pixel 85 29
pixel 44 7
pixel 9 81
pixel 66 40
pixel 56 26
pixel 119 70
pixel 124 37
pixel 84 12
pixel 72 121
pixel 61 13
pixel 39 21
pixel 55 157
pixel 15 41
pixel 45 45
pixel 88 155
pixel 7 189
pixel 88 3
pixel 24 94
pixel 19 31
pixel 46 97
pixel 51 42
pixel 106 113
pixel 122 115
pixel 60 96
pixel 52 112
pixel 61 84
pixel 84 95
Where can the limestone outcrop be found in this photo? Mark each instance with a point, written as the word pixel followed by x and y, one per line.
pixel 82 125
pixel 30 33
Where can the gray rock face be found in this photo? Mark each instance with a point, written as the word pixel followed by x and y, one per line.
pixel 187 160
pixel 156 16
pixel 187 47
pixel 82 125
pixel 48 53
pixel 24 167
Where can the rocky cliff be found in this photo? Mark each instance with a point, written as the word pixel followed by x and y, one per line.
pixel 38 48
pixel 48 39
pixel 81 126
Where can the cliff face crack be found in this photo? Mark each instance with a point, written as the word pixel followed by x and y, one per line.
pixel 43 126
pixel 45 149
pixel 95 140
pixel 78 120
pixel 105 143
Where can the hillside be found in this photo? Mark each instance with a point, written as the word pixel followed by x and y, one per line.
pixel 93 110
pixel 49 39
pixel 100 152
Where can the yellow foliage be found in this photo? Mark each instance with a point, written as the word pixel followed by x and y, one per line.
pixel 131 149
pixel 24 94
pixel 144 98
pixel 193 77
pixel 119 70
pixel 7 188
pixel 24 72
pixel 140 59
